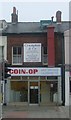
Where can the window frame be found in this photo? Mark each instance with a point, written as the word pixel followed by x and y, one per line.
pixel 44 50
pixel 13 56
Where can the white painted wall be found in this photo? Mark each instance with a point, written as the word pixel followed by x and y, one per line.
pixel 3 42
pixel 67 38
pixel 67 88
pixel 45 93
pixel 59 91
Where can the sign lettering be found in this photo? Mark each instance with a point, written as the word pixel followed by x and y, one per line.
pixel 35 71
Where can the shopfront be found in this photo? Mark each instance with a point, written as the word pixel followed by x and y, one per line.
pixel 35 86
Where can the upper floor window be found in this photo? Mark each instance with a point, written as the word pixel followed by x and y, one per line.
pixel 17 55
pixel 45 50
pixel 44 55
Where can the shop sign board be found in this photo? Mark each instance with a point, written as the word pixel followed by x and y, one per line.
pixel 40 71
pixel 32 52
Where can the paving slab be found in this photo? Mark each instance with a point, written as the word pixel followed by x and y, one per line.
pixel 35 112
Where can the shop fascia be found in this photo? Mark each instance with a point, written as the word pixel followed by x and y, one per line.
pixel 40 71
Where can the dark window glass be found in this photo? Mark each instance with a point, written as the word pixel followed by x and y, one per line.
pixel 14 50
pixel 19 50
pixel 45 50
pixel 17 55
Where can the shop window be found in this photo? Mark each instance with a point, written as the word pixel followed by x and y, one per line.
pixel 16 78
pixel 52 77
pixel 19 91
pixel 17 55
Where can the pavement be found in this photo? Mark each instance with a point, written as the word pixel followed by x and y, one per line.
pixel 35 111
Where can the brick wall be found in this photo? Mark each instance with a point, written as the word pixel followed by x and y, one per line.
pixel 17 40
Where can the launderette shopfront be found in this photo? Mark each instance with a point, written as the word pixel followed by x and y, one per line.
pixel 38 86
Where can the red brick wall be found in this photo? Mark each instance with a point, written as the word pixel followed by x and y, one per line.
pixel 51 46
pixel 17 40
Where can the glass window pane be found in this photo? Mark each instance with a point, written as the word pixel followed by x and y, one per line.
pixel 14 59
pixel 17 59
pixel 17 55
pixel 19 91
pixel 19 50
pixel 45 50
pixel 14 50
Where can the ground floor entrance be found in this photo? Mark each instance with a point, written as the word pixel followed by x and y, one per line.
pixel 34 92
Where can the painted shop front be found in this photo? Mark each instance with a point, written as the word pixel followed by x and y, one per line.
pixel 67 87
pixel 40 86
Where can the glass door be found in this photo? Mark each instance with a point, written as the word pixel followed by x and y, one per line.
pixel 33 93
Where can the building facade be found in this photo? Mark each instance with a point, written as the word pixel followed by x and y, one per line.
pixel 35 51
pixel 67 35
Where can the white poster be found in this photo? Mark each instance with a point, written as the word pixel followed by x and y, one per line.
pixel 32 52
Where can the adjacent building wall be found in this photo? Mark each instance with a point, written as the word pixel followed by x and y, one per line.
pixel 3 42
pixel 67 39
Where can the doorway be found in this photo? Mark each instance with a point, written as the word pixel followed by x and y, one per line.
pixel 33 93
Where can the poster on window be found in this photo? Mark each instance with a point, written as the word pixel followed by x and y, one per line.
pixel 32 52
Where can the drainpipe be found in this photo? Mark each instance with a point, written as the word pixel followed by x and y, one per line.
pixel 63 72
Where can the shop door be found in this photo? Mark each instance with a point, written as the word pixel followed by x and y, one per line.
pixel 33 93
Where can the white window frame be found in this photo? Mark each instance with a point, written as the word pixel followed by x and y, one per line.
pixel 12 58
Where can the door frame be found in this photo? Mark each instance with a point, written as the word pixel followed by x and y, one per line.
pixel 29 92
